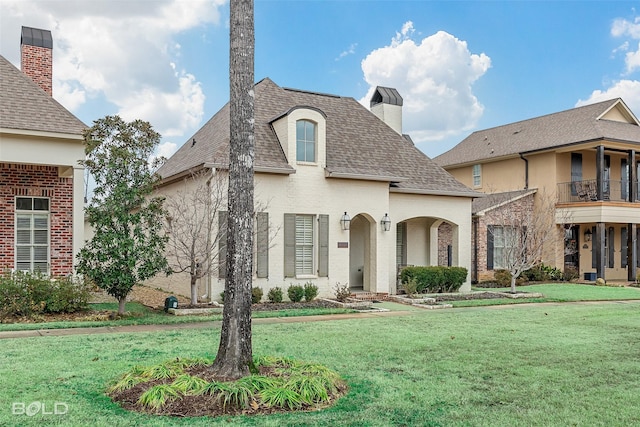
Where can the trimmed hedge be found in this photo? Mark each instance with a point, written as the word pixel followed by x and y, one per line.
pixel 435 279
pixel 28 294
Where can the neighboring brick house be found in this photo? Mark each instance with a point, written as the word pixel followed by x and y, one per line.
pixel 41 180
pixel 587 161
pixel 488 218
pixel 319 158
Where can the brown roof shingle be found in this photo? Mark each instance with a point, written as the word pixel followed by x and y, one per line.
pixel 568 127
pixel 25 106
pixel 358 143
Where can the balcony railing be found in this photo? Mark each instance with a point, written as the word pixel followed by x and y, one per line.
pixel 587 191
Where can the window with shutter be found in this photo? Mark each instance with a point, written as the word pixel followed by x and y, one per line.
pixel 576 170
pixel 624 241
pixel 305 252
pixel 32 234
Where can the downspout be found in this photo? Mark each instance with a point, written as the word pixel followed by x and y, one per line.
pixel 526 172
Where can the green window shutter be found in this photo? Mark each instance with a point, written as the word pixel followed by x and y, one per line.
pixel 262 245
pixel 323 246
pixel 222 244
pixel 289 245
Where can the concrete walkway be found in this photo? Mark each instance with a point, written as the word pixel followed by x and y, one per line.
pixel 194 325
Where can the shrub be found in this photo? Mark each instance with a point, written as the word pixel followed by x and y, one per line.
pixel 256 295
pixel 571 273
pixel 543 273
pixel 310 291
pixel 503 278
pixel 295 293
pixel 410 287
pixel 435 279
pixel 342 292
pixel 275 294
pixel 27 294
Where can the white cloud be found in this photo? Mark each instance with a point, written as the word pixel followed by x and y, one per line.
pixel 124 52
pixel 350 51
pixel 628 90
pixel 166 149
pixel 625 88
pixel 434 77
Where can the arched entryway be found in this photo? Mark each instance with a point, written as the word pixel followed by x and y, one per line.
pixel 362 253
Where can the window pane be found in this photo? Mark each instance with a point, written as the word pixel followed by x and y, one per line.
pixel 23 222
pixel 24 203
pixel 23 253
pixel 304 244
pixel 23 237
pixel 40 253
pixel 23 266
pixel 41 267
pixel 300 153
pixel 40 204
pixel 40 237
pixel 311 153
pixel 40 222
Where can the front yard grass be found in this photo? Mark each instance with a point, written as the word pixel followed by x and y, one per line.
pixel 543 365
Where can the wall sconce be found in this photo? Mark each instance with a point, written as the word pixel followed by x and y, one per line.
pixel 386 222
pixel 587 235
pixel 345 221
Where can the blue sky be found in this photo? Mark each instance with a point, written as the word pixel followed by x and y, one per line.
pixel 460 65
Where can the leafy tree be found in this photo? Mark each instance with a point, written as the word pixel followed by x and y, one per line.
pixel 234 358
pixel 128 244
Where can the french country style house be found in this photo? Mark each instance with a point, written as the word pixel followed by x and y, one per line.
pixel 41 181
pixel 587 160
pixel 347 198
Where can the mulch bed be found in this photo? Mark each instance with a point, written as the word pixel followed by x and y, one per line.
pixel 202 405
pixel 465 297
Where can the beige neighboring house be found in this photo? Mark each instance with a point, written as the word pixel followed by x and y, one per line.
pixel 323 158
pixel 586 159
pixel 41 182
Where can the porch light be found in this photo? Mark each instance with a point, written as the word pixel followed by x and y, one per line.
pixel 345 221
pixel 386 222
pixel 587 235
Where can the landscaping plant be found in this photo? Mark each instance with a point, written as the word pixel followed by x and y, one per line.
pixel 310 291
pixel 275 294
pixel 295 293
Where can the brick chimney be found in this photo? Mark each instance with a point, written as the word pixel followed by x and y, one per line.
pixel 36 57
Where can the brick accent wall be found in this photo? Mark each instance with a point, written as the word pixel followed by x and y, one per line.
pixel 37 181
pixel 445 238
pixel 37 63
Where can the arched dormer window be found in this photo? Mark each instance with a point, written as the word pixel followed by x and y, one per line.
pixel 305 141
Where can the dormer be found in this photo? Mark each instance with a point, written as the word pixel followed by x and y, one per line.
pixel 302 132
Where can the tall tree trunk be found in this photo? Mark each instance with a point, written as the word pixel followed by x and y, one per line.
pixel 234 357
pixel 121 304
pixel 513 284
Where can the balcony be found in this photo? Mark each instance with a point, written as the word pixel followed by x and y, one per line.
pixel 587 191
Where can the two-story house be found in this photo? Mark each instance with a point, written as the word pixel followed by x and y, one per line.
pixel 586 159
pixel 348 197
pixel 41 180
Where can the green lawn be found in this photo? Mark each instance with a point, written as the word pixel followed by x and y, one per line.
pixel 560 365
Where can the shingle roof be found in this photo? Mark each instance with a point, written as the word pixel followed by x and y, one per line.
pixel 582 124
pixel 358 143
pixel 494 200
pixel 25 106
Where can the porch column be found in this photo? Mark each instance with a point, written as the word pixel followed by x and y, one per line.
pixel 600 173
pixel 632 253
pixel 633 177
pixel 598 246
